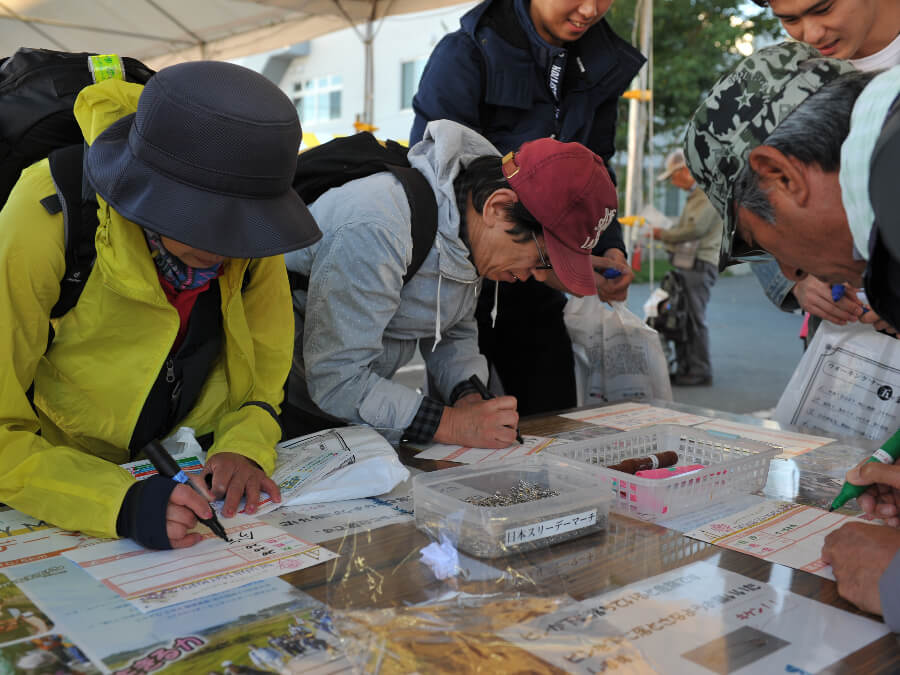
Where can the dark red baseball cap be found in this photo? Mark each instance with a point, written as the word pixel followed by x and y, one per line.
pixel 567 188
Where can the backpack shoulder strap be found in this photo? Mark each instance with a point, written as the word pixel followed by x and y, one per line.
pixel 424 219
pixel 423 209
pixel 79 223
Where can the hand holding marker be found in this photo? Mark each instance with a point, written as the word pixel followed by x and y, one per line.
pixel 837 292
pixel 485 394
pixel 168 467
pixel 886 454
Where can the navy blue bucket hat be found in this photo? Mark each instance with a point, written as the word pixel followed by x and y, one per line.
pixel 207 160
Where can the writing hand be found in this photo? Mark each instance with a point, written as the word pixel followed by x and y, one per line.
pixel 468 399
pixel 181 516
pixel 882 500
pixel 479 423
pixel 234 476
pixel 859 553
pixel 814 296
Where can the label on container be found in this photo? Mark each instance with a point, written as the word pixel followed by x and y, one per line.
pixel 550 528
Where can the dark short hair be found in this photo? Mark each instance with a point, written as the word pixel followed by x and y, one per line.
pixel 481 178
pixel 762 3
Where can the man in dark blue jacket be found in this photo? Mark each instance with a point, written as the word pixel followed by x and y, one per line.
pixel 516 71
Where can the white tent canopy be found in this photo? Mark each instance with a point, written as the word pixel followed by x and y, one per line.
pixel 162 32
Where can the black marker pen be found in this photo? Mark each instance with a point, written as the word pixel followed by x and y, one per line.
pixel 168 467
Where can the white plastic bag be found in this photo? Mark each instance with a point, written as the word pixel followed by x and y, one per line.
pixel 584 321
pixel 847 383
pixel 376 469
pixel 651 306
pixel 617 356
pixel 634 366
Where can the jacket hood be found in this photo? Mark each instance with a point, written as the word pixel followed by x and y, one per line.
pixel 445 149
pixel 101 104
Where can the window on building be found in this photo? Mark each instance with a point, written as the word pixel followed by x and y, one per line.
pixel 318 99
pixel 410 74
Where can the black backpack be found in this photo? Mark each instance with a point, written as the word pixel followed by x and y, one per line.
pixel 344 159
pixel 38 88
pixel 671 320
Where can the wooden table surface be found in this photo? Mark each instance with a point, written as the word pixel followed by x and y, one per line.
pixel 382 568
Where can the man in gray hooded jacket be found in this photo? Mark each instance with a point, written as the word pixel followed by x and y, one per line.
pixel 536 212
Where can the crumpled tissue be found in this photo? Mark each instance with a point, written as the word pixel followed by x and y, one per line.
pixel 442 558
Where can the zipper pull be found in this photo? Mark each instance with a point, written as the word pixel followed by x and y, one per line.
pixel 175 389
pixel 176 392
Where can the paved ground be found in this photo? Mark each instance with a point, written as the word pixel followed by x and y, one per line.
pixel 754 348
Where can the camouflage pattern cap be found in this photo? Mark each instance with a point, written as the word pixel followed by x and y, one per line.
pixel 743 109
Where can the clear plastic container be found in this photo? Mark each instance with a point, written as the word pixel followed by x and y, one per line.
pixel 495 531
pixel 732 466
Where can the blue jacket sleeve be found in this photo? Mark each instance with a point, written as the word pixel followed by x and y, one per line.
pixel 776 286
pixel 450 88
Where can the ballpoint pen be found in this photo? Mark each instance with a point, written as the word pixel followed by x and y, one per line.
pixel 485 394
pixel 168 467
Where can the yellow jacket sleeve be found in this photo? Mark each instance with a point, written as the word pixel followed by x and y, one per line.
pixel 59 484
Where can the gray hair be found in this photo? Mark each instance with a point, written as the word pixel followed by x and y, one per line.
pixel 813 133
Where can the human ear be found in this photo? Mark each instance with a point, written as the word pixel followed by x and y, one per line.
pixel 497 205
pixel 779 173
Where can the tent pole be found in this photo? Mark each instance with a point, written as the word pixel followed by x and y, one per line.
pixel 369 84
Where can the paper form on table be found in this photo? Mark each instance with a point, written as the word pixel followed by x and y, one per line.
pixel 465 455
pixel 153 579
pixel 627 416
pixel 780 532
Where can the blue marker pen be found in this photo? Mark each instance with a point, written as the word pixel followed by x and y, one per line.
pixel 837 291
pixel 611 273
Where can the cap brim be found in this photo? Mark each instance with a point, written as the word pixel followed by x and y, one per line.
pixel 735 251
pixel 221 223
pixel 573 269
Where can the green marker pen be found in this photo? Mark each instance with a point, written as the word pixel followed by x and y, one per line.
pixel 886 454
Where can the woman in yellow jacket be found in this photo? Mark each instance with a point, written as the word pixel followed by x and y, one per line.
pixel 185 318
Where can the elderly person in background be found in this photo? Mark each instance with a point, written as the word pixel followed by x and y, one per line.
pixel 693 244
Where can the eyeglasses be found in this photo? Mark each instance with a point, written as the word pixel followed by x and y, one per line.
pixel 545 263
pixel 741 252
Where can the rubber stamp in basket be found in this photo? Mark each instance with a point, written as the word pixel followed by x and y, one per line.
pixel 494 509
pixel 732 466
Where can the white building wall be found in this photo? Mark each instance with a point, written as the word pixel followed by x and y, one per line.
pixel 399 39
pixel 405 38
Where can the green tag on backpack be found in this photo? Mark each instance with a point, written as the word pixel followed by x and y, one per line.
pixel 106 67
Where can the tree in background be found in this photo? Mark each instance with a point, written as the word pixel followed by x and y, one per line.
pixel 694 43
